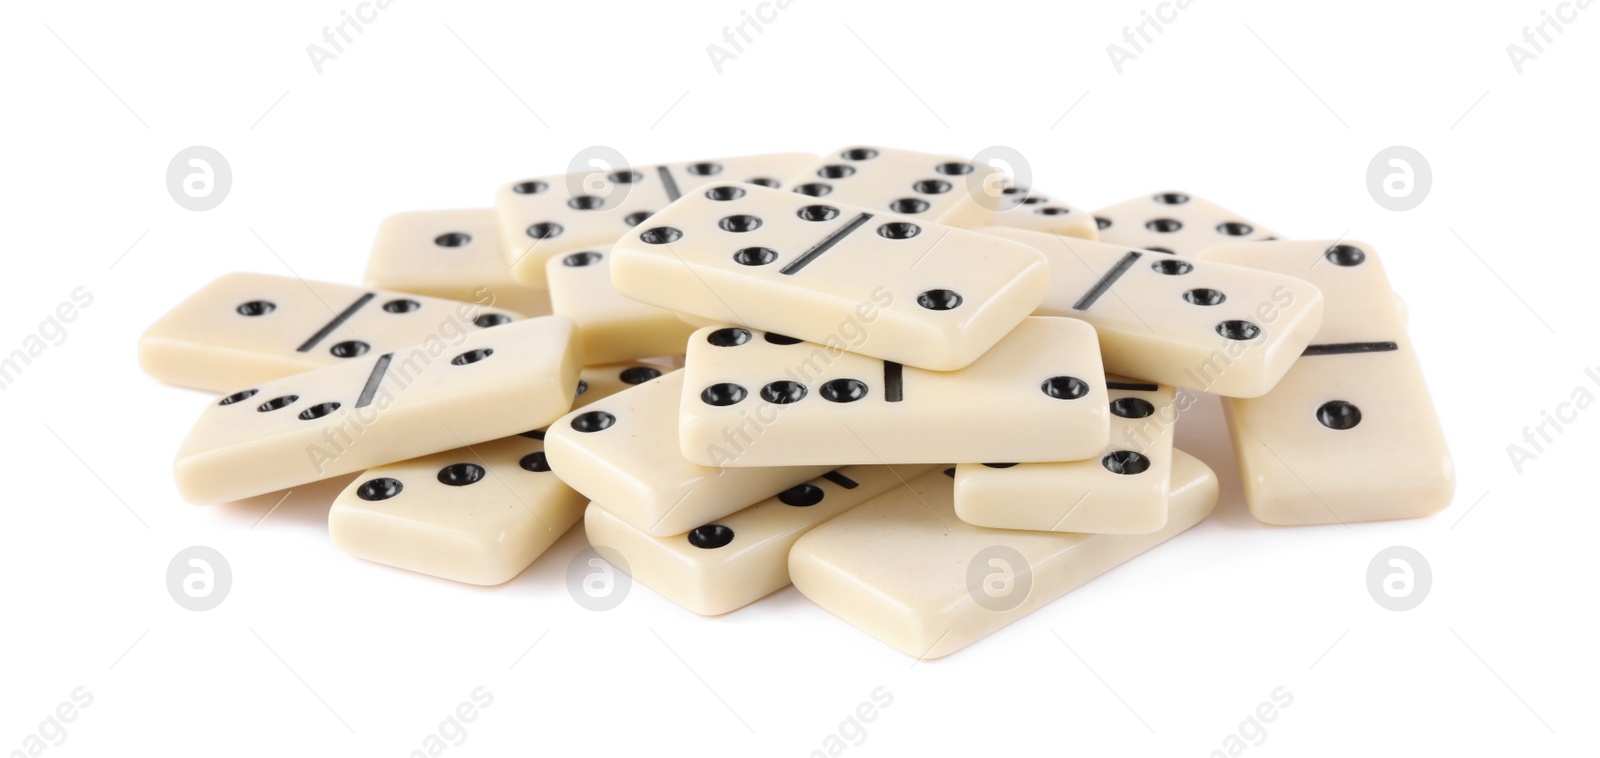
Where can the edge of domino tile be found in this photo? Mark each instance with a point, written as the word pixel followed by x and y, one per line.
pixel 849 593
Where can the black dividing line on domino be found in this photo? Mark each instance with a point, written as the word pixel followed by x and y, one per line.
pixel 670 184
pixel 893 382
pixel 826 244
pixel 374 379
pixel 337 322
pixel 841 480
pixel 1104 285
pixel 1346 348
pixel 1132 386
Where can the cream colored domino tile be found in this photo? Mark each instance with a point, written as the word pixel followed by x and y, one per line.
pixel 926 295
pixel 1123 490
pixel 453 254
pixel 743 557
pixel 244 329
pixel 1207 326
pixel 379 409
pixel 1350 433
pixel 1026 208
pixel 623 452
pixel 904 569
pixel 754 398
pixel 553 216
pixel 611 327
pixel 1175 222
pixel 945 189
pixel 478 514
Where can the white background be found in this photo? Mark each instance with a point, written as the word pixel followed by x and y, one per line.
pixel 1272 109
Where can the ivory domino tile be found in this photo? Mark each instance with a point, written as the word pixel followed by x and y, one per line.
pixel 929 296
pixel 1202 325
pixel 754 398
pixel 623 451
pixel 379 409
pixel 1350 433
pixel 1123 490
pixel 554 216
pixel 723 566
pixel 244 329
pixel 901 567
pixel 478 514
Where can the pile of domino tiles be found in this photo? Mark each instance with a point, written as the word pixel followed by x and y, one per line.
pixel 932 400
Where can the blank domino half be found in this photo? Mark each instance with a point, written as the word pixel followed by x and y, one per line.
pixel 1206 326
pixel 904 569
pixel 554 216
pixel 1123 490
pixel 1025 208
pixel 244 329
pixel 1175 222
pixel 743 557
pixel 611 327
pixel 380 409
pixel 920 294
pixel 477 514
pixel 755 398
pixel 1350 434
pixel 452 254
pixel 623 451
pixel 944 189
